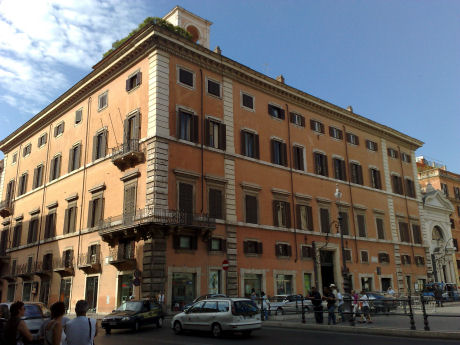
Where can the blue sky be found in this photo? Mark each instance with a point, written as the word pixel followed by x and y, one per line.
pixel 395 62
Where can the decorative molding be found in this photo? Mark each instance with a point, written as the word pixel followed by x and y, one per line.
pixel 360 207
pixel 303 196
pixel 72 197
pixel 186 173
pixel 376 210
pixel 282 192
pixel 250 186
pixel 52 205
pixel 323 200
pixel 35 211
pixel 98 188
pixel 19 217
pixel 215 179
pixel 130 175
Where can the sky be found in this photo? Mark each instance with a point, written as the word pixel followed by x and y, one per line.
pixel 395 62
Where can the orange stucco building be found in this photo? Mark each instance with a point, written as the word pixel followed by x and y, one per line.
pixel 169 158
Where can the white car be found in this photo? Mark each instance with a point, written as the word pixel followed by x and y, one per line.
pixel 280 304
pixel 219 315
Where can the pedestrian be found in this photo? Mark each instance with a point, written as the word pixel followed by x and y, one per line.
pixel 265 304
pixel 339 297
pixel 81 330
pixel 52 331
pixel 315 298
pixel 366 310
pixel 355 302
pixel 16 331
pixel 331 301
pixel 390 291
pixel 438 296
pixel 253 295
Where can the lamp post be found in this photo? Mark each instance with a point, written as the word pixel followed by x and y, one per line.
pixel 346 277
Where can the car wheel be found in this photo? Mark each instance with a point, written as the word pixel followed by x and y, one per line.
pixel 216 330
pixel 279 311
pixel 247 333
pixel 177 327
pixel 159 322
pixel 108 330
pixel 136 326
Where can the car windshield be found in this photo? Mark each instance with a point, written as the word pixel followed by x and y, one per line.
pixel 32 311
pixel 130 306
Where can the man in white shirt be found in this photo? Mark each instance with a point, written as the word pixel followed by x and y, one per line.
pixel 81 330
pixel 366 311
pixel 390 291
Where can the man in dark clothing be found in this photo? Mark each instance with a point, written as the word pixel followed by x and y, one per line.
pixel 315 298
pixel 331 299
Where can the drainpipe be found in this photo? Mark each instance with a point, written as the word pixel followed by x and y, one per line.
pixel 202 140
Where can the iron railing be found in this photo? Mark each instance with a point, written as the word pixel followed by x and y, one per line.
pixel 44 266
pixel 122 252
pixel 131 145
pixel 63 263
pixel 87 259
pixel 24 269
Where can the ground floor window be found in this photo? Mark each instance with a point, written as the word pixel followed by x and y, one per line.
pixel 183 290
pixel 10 292
pixel 284 284
pixel 64 292
pixel 26 291
pixel 252 281
pixel 307 283
pixel 420 284
pixel 91 292
pixel 386 284
pixel 44 291
pixel 125 288
pixel 366 283
pixel 214 284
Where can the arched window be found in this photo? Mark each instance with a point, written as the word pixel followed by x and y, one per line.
pixel 437 234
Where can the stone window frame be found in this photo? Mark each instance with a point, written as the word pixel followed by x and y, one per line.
pixel 218 183
pixel 14 158
pixel 383 262
pixel 253 109
pixel 252 190
pixel 81 118
pixel 42 140
pixel 361 212
pixel 57 129
pixel 207 79
pixel 99 97
pixel 323 204
pixel 188 177
pixel 303 200
pixel 178 69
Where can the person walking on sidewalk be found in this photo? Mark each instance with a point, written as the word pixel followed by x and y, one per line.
pixel 265 304
pixel 315 298
pixel 366 311
pixel 331 300
pixel 339 297
pixel 81 330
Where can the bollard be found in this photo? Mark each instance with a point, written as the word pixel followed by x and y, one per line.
pixel 303 312
pixel 411 314
pixel 425 316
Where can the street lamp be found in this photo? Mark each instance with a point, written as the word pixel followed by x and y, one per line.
pixel 346 277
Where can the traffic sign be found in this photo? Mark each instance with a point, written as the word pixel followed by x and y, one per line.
pixel 225 265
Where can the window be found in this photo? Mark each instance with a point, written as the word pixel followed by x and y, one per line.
pixel 9 191
pixel 103 100
pixel 306 252
pixel 371 145
pixel 187 242
pixel 26 292
pixel 419 260
pixel 95 211
pixel 252 247
pixel 457 193
pixel 247 101
pixel 364 256
pixel 297 119
pixel 352 139
pixel 33 231
pixel 74 157
pixel 304 217
pixel 410 188
pixel 392 153
pixel 340 171
pixel 186 201
pixel 186 77
pixel 131 131
pixel 17 235
pixel 317 126
pixel 93 255
pixel 279 152
pixel 452 223
pixel 42 140
pixel 347 255
pixel 283 249
pixel 335 133
pixel 27 150
pixel 38 177
pixel 214 88
pixel 444 189
pixel 50 225
pixel 15 158
pixel 384 258
pixel 396 183
pixel 455 244
pixel 405 157
pixel 251 209
pixel 374 175
pixel 100 145
pixel 187 126
pixel 406 259
pixel 297 155
pixel 356 172
pixel 67 258
pixel 217 245
pixel 215 203
pixel 78 116
pixel 250 144
pixel 59 129
pixel 343 216
pixel 380 228
pixel 281 214
pixel 284 284
pixel 10 293
pixel 276 112
pixel 361 218
pixel 134 81
pixel 320 163
pixel 324 219
pixel 4 242
pixel 55 169
pixel 215 134
pixel 404 232
pixel 22 187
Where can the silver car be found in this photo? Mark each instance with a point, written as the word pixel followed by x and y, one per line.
pixel 219 315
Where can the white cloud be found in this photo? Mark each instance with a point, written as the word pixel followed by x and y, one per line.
pixel 39 38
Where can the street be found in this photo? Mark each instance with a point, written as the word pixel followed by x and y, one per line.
pixel 266 336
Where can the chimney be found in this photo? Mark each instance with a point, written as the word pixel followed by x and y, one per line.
pixel 350 108
pixel 280 78
pixel 218 50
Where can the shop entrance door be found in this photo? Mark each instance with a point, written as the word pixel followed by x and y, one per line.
pixel 327 267
pixel 125 288
pixel 252 281
pixel 91 292
pixel 64 294
pixel 183 290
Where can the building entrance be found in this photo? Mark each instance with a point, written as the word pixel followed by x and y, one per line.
pixel 64 293
pixel 125 288
pixel 252 281
pixel 183 290
pixel 327 267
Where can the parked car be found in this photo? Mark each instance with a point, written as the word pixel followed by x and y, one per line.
pixel 281 304
pixel 379 303
pixel 219 315
pixel 208 296
pixel 449 291
pixel 134 314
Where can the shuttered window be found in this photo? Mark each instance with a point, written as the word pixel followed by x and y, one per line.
pixel 371 145
pixel 278 152
pixel 364 256
pixel 214 88
pixel 74 157
pixel 247 101
pixel 347 255
pixel 406 259
pixel 27 150
pixel 95 211
pixel 134 81
pixel 410 188
pixel 187 126
pixel 217 245
pixel 55 169
pixel 324 217
pixel 250 144
pixel 374 176
pixel 251 207
pixel 186 77
pixel 320 164
pixel 340 171
pixel 185 242
pixel 42 140
pixel 380 229
pixel 100 145
pixel 384 258
pixel 416 234
pixel 215 203
pixel 297 155
pixel 281 214
pixel 404 232
pixel 304 216
pixel 59 129
pixel 9 191
pixel 33 231
pixel 186 201
pixel 356 172
pixel 22 187
pixel 17 232
pixel 78 116
pixel 283 249
pixel 103 100
pixel 352 139
pixel 252 247
pixel 392 153
pixel 70 218
pixel 306 252
pixel 297 119
pixel 335 133
pixel 344 223
pixel 396 183
pixel 361 225
pixel 405 157
pixel 215 134
pixel 38 177
pixel 131 132
pixel 50 225
pixel 276 112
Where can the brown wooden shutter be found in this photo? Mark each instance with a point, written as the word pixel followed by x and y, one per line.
pixel 361 225
pixel 58 169
pixel 357 140
pixel 66 222
pixel 138 78
pixel 90 213
pixel 343 168
pixel 35 181
pixel 331 134
pixel 128 84
pixel 260 248
pixel 309 218
pixel 104 143
pixel 295 161
pixel 324 164
pixel 282 114
pixel 223 245
pixel 251 209
pixel 29 233
pixel 298 216
pixel 302 121
pixel 287 208
pixel 47 226
pixel 70 160
pixel 129 199
pixel 245 247
pixel 222 136
pixel 360 174
pixel 277 249
pixel 312 124
pixel 207 130
pixel 73 219
pixel 176 242
pixel 321 126
pixel 95 148
pixel 275 215
pixel 78 156
pixel 195 129
pixel 256 145
pixel 272 150
pixel 243 142
pixel 289 250
pixel 284 160
pixel 291 117
pixel 186 198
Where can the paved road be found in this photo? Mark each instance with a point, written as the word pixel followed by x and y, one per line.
pixel 267 336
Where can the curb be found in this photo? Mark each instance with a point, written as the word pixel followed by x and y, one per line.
pixel 374 331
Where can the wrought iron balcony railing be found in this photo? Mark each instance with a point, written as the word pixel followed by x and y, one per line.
pixel 25 270
pixel 6 208
pixel 64 266
pixel 128 154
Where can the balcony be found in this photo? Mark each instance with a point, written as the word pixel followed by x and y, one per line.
pixel 89 263
pixel 44 269
pixel 64 266
pixel 25 271
pixel 128 154
pixel 9 273
pixel 122 256
pixel 4 257
pixel 143 222
pixel 6 208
